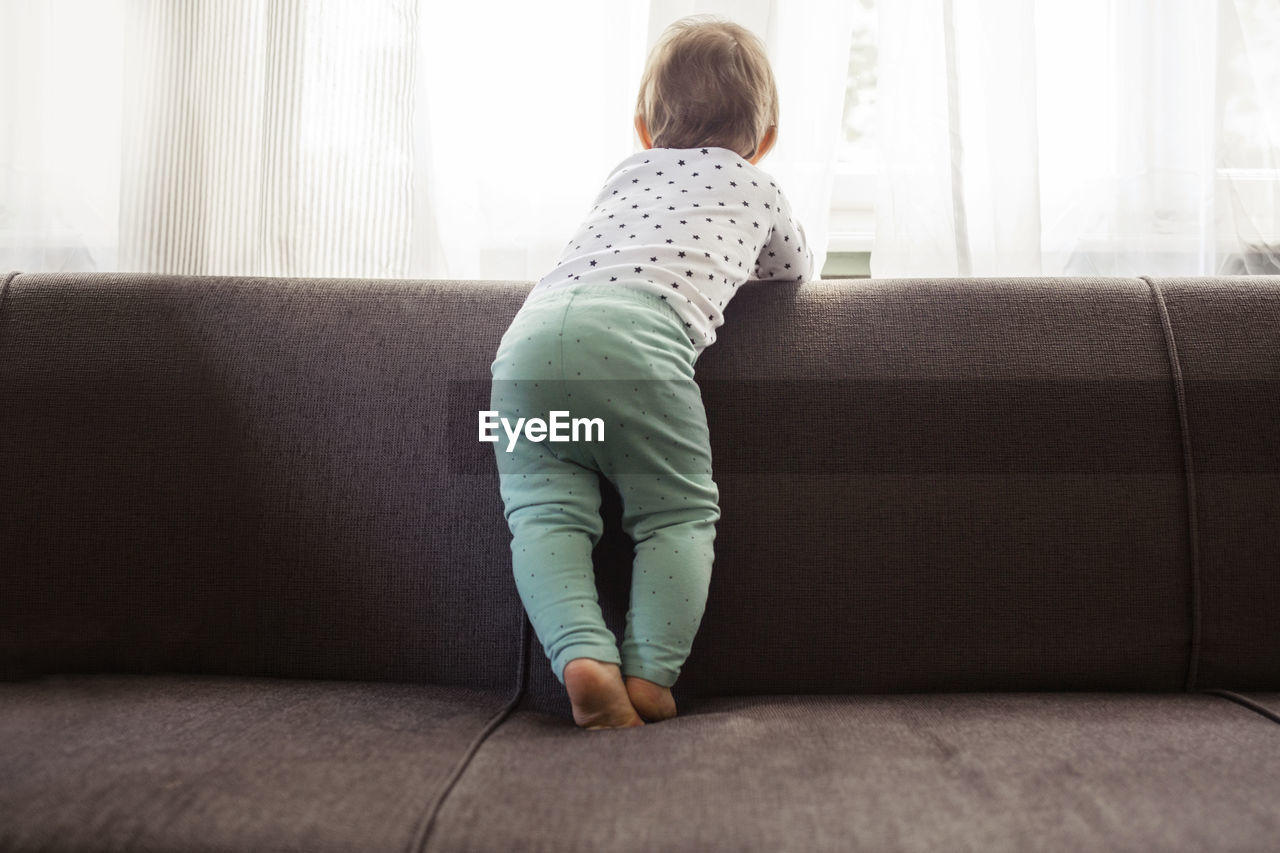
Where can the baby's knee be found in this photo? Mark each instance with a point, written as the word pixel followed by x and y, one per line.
pixel 554 518
pixel 692 522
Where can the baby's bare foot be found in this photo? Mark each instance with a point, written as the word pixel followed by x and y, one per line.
pixel 598 696
pixel 653 701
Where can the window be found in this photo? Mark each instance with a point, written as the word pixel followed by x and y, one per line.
pixel 853 193
pixel 1248 178
pixel 1231 115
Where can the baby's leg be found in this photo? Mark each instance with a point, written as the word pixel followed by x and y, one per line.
pixel 670 509
pixel 633 364
pixel 551 504
pixel 552 509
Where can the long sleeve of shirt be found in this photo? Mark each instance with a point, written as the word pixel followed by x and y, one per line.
pixel 786 255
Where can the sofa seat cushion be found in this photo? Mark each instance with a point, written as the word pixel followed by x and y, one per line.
pixel 186 762
pixel 1012 771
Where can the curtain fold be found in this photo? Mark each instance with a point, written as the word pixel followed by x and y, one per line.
pixel 1247 187
pixel 267 138
pixel 392 138
pixel 1093 138
pixel 379 138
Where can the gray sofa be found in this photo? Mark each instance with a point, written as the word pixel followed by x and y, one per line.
pixel 998 569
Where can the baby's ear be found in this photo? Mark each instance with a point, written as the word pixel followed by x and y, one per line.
pixel 770 137
pixel 643 132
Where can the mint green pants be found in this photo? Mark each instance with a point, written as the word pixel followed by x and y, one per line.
pixel 619 356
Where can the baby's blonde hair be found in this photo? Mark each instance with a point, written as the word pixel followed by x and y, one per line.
pixel 708 82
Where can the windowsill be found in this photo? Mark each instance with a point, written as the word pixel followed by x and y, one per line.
pixel 847 265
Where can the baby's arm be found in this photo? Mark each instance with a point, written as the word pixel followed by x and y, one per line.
pixel 786 255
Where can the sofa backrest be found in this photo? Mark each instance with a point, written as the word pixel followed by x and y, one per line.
pixel 981 485
pixel 968 484
pixel 249 476
pixel 1228 351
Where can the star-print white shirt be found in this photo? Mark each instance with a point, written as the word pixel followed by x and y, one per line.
pixel 690 224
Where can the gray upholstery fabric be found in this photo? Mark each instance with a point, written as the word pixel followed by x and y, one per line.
pixel 969 484
pixel 249 476
pixel 255 504
pixel 168 762
pixel 1228 337
pixel 993 772
pixel 936 485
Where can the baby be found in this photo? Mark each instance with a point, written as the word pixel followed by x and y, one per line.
pixel 610 336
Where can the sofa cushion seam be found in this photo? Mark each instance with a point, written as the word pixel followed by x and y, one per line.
pixel 1246 702
pixel 422 836
pixel 1175 367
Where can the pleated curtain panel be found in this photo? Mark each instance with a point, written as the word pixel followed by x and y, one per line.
pixel 268 138
pixel 1090 137
pixel 353 138
pixel 423 139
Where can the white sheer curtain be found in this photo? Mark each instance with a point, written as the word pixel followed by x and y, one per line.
pixel 237 137
pixel 1111 137
pixel 267 138
pixel 515 140
pixel 521 111
pixel 61 88
pixel 363 138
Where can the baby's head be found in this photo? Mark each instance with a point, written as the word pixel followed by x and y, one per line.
pixel 708 83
